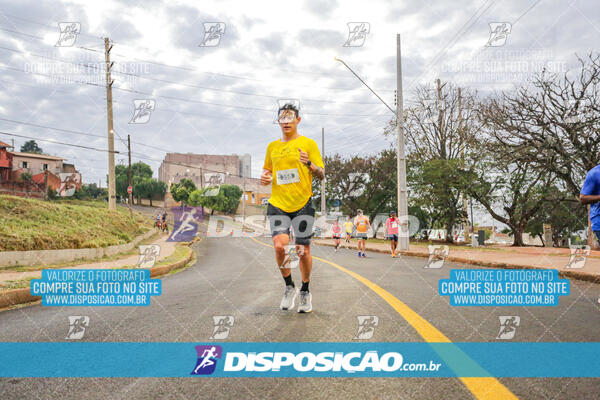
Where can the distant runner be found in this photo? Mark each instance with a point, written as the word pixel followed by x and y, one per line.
pixel 362 226
pixel 391 231
pixel 348 227
pixel 336 229
pixel 290 164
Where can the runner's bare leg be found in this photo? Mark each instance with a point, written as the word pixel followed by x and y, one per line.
pixel 305 262
pixel 280 242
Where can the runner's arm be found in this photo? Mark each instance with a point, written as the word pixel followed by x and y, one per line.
pixel 317 171
pixel 589 198
pixel 266 177
pixel 589 189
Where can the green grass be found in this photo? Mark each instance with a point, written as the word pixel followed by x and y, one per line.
pixel 17 284
pixel 180 253
pixel 31 224
pixel 28 268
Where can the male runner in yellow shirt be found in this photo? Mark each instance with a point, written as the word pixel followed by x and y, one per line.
pixel 290 164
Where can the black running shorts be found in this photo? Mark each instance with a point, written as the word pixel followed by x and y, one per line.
pixel 302 221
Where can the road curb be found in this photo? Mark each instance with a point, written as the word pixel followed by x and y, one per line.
pixel 15 297
pixel 581 276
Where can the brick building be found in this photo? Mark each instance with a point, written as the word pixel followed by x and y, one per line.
pixel 45 170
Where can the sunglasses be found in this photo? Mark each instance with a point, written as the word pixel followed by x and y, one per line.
pixel 286 116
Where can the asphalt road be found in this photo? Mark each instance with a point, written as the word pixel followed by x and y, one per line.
pixel 238 277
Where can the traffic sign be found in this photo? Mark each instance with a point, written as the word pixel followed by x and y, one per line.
pixel 129 189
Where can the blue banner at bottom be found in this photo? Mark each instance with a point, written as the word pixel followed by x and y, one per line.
pixel 299 359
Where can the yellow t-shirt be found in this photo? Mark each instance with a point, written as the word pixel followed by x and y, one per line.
pixel 348 226
pixel 361 223
pixel 292 180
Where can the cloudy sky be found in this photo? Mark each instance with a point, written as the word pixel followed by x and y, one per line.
pixel 220 98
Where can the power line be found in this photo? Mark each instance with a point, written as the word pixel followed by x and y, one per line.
pixel 230 105
pixel 50 76
pixel 21 33
pixel 526 11
pixel 44 25
pixel 178 98
pixel 51 58
pixel 270 96
pixel 55 142
pixel 174 82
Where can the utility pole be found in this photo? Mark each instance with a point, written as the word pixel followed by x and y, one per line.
pixel 462 157
pixel 46 185
pixel 112 199
pixel 243 197
pixel 440 115
pixel 401 156
pixel 129 175
pixel 323 203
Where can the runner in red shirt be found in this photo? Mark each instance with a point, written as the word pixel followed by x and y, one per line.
pixel 391 231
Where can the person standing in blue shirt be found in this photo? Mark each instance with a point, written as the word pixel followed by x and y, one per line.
pixel 590 194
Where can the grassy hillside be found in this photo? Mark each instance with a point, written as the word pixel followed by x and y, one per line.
pixel 30 224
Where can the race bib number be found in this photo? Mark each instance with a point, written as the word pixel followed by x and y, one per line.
pixel 287 176
pixel 394 225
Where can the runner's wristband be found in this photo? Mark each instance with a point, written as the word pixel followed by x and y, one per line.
pixel 308 163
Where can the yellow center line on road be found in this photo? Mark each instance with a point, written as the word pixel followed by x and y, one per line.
pixel 487 388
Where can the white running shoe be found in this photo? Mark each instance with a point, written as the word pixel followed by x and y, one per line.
pixel 305 304
pixel 287 302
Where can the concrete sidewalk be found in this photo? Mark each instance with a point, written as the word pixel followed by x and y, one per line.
pixel 500 257
pixel 166 249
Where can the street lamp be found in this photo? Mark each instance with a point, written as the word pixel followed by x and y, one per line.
pixel 403 241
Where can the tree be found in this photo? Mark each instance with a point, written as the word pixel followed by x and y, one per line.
pixel 226 200
pixel 182 190
pixel 564 217
pixel 367 183
pixel 512 193
pixel 554 125
pixel 91 191
pixel 142 188
pixel 432 126
pixel 158 189
pixel 436 186
pixel 31 146
pixel 141 169
pixel 143 185
pixel 439 148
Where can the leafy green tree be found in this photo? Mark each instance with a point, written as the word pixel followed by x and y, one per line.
pixel 31 146
pixel 91 191
pixel 368 183
pixel 143 185
pixel 182 190
pixel 226 201
pixel 512 193
pixel 565 217
pixel 142 188
pixel 141 169
pixel 158 189
pixel 436 188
